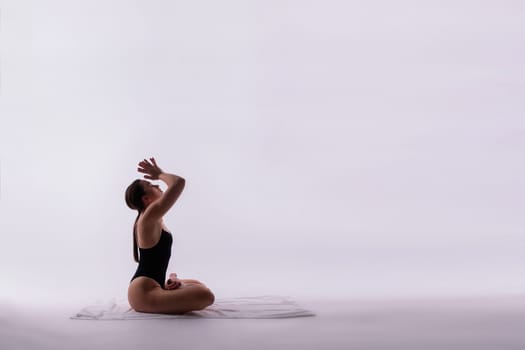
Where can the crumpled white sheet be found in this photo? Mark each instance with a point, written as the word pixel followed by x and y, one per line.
pixel 242 307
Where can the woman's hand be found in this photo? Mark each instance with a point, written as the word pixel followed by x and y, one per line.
pixel 173 282
pixel 151 170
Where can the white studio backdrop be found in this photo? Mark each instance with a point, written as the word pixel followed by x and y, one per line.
pixel 330 148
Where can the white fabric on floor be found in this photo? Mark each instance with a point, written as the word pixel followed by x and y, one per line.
pixel 437 323
pixel 244 307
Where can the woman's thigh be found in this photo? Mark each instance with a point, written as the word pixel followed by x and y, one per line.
pixel 178 301
pixel 140 292
pixel 146 295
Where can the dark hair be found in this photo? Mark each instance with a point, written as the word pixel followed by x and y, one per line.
pixel 134 194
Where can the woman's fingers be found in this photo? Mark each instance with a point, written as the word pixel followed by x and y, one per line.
pixel 173 282
pixel 147 168
pixel 150 168
pixel 173 278
pixel 145 164
pixel 174 285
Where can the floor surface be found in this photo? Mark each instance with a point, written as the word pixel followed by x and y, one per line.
pixel 489 323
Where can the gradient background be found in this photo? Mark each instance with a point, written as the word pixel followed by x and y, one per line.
pixel 330 148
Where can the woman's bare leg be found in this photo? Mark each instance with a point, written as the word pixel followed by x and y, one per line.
pixel 191 297
pixel 190 281
pixel 173 278
pixel 146 295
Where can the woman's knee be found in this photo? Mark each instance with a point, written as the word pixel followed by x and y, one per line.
pixel 191 298
pixel 203 296
pixel 211 296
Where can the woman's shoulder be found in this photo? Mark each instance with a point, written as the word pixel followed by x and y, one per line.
pixel 148 233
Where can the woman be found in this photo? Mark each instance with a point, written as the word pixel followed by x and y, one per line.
pixel 147 291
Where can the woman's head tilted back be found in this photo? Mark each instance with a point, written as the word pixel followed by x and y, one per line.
pixel 134 194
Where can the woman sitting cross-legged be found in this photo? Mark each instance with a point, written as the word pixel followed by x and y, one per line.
pixel 147 291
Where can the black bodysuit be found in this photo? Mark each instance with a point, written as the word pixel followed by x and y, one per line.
pixel 153 262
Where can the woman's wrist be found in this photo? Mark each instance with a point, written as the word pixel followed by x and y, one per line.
pixel 170 179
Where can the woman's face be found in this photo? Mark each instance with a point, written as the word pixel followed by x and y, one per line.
pixel 152 192
pixel 148 186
